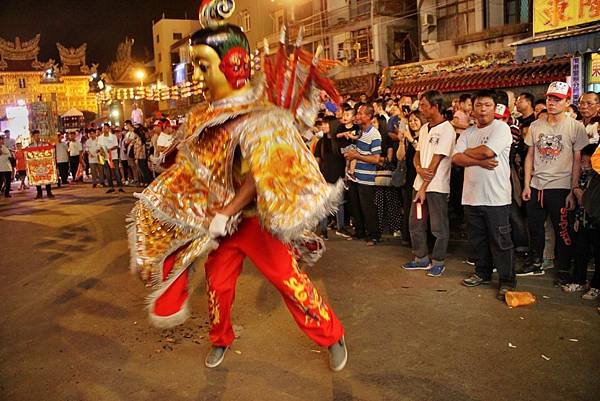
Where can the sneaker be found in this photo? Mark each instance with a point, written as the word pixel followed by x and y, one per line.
pixel 372 242
pixel 469 261
pixel 51 196
pixel 591 294
pixel 342 233
pixel 502 292
pixel 397 234
pixel 121 190
pixel 548 264
pixel 531 268
pixel 436 271
pixel 414 265
pixel 215 356
pixel 474 280
pixel 111 190
pixel 572 287
pixel 338 355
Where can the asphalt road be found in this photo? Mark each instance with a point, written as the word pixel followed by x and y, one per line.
pixel 73 325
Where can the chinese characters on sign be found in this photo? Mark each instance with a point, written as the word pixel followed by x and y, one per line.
pixel 41 168
pixel 556 14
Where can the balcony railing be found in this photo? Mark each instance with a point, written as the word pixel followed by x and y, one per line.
pixel 324 22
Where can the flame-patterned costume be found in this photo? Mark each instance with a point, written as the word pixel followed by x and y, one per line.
pixel 169 224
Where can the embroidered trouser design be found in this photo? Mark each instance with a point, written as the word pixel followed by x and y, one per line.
pixel 275 262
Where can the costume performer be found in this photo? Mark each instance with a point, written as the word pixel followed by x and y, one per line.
pixel 243 184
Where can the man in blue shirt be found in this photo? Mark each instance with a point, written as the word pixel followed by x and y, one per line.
pixel 362 191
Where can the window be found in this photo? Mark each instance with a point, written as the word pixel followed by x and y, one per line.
pixel 455 18
pixel 516 11
pixel 157 39
pixel 245 20
pixel 362 47
pixel 159 57
pixel 177 36
pixel 22 83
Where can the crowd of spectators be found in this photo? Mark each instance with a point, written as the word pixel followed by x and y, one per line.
pixel 507 172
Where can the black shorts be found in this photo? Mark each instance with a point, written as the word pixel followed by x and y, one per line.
pixel 21 174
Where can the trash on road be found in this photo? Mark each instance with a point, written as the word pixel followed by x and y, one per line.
pixel 519 298
pixel 545 357
pixel 238 352
pixel 573 340
pixel 510 345
pixel 545 297
pixel 318 351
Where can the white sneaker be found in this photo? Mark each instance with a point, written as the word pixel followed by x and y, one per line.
pixel 592 294
pixel 573 287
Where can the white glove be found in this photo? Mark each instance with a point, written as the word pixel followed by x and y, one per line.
pixel 218 226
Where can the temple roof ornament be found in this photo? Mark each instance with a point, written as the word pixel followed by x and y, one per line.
pixel 18 50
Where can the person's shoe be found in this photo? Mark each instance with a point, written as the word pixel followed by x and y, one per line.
pixel 215 356
pixel 470 261
pixel 397 234
pixel 8 196
pixel 372 242
pixel 94 185
pixel 502 292
pixel 342 233
pixel 414 265
pixel 338 355
pixel 51 196
pixel 121 190
pixel 531 268
pixel 548 264
pixel 436 271
pixel 572 287
pixel 474 280
pixel 110 190
pixel 591 294
pixel 38 196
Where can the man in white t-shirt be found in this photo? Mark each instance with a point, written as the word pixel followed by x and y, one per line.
pixel 75 153
pixel 432 186
pixel 109 146
pixel 62 159
pixel 484 151
pixel 552 168
pixel 137 115
pixel 92 148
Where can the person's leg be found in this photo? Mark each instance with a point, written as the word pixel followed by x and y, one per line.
pixel 536 216
pixel 595 240
pixel 357 218
pixel 478 236
pixel 583 242
pixel 366 195
pixel 222 268
pixel 94 171
pixel 108 172
pixel 379 201
pixel 340 217
pixel 73 167
pixel 394 208
pixel 500 243
pixel 116 172
pixel 125 168
pixel 276 262
pixel 5 178
pixel 135 172
pixel 38 190
pixel 519 229
pixel 406 206
pixel 49 191
pixel 440 226
pixel 563 223
pixel 418 230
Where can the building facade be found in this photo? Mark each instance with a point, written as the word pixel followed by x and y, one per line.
pixel 43 89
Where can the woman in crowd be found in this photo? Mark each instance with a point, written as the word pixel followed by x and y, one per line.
pixel 411 138
pixel 141 157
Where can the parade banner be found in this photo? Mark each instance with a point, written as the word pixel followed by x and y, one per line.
pixel 41 165
pixel 555 14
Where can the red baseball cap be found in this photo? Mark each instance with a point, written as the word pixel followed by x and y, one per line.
pixel 559 89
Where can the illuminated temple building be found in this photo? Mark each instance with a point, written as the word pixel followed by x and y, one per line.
pixel 34 93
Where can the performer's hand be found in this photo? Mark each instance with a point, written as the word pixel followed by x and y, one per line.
pixel 218 226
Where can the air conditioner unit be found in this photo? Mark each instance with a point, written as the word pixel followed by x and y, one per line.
pixel 428 20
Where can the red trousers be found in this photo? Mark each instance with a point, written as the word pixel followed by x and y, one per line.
pixel 276 263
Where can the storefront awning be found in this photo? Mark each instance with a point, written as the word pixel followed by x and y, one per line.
pixel 559 44
pixel 511 76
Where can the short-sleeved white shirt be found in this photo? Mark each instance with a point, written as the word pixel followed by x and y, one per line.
pixel 483 187
pixel 92 147
pixel 74 148
pixel 108 142
pixel 164 140
pixel 438 140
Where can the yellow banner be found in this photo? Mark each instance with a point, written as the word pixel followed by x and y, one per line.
pixel 556 14
pixel 594 69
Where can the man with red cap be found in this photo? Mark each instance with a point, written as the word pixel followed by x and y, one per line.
pixel 551 172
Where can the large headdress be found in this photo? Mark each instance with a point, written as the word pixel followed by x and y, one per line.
pixel 228 41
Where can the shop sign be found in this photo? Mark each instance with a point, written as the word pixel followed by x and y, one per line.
pixel 555 14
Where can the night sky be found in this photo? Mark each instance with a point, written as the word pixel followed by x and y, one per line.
pixel 102 24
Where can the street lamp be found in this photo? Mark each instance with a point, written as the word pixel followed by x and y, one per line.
pixel 140 75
